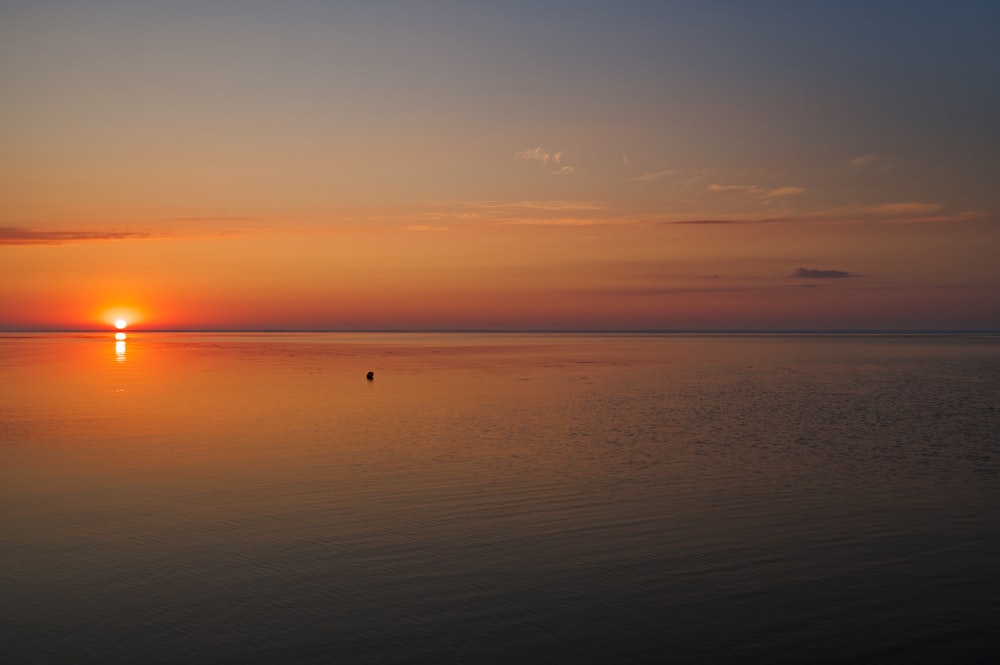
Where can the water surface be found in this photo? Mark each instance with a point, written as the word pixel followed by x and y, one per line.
pixel 252 498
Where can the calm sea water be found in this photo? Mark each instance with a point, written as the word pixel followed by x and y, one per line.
pixel 216 498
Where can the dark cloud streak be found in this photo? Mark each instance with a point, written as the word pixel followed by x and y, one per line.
pixel 812 273
pixel 722 222
pixel 11 235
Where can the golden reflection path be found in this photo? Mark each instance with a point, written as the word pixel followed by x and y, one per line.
pixel 120 347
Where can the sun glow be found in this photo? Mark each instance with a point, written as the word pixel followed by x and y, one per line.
pixel 117 317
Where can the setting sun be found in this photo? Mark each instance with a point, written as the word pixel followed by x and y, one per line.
pixel 120 323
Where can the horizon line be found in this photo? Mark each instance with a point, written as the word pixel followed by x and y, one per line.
pixel 633 331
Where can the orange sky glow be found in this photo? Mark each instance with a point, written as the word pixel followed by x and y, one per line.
pixel 344 168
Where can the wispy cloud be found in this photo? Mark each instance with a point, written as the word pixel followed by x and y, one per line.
pixel 453 215
pixel 945 218
pixel 906 212
pixel 783 191
pixel 425 227
pixel 741 189
pixel 552 160
pixel 862 160
pixel 755 190
pixel 563 221
pixel 11 235
pixel 813 273
pixel 724 222
pixel 653 175
pixel 539 154
pixel 891 213
pixel 543 205
pixel 212 218
pixel 907 208
pixel 527 212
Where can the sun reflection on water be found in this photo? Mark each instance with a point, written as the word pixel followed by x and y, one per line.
pixel 120 340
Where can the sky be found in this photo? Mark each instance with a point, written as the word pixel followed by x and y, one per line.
pixel 672 165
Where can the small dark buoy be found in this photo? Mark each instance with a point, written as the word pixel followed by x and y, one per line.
pixel 370 376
